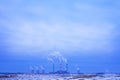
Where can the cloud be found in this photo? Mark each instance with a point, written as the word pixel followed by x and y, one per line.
pixel 47 37
pixel 36 28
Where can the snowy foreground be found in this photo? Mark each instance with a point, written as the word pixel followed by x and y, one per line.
pixel 59 77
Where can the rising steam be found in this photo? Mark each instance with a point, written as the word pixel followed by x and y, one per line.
pixel 56 56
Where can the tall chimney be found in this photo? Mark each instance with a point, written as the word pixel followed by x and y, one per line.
pixel 78 70
pixel 43 71
pixel 53 68
pixel 66 67
pixel 31 69
pixel 60 67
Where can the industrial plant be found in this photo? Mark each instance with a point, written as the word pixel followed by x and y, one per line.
pixel 53 58
pixel 41 70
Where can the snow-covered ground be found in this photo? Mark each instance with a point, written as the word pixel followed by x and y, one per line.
pixel 61 77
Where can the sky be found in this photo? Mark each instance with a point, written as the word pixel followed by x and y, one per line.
pixel 84 34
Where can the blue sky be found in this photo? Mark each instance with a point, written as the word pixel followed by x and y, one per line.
pixel 85 32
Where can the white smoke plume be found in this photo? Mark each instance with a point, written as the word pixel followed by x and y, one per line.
pixel 77 67
pixel 56 56
pixel 42 67
pixel 31 68
pixel 36 67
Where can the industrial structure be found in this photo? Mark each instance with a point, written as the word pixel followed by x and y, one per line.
pixel 60 71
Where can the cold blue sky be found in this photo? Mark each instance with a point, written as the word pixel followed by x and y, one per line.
pixel 85 32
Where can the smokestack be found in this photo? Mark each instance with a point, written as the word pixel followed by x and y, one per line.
pixel 53 68
pixel 31 69
pixel 66 67
pixel 43 71
pixel 78 70
pixel 60 67
pixel 37 69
